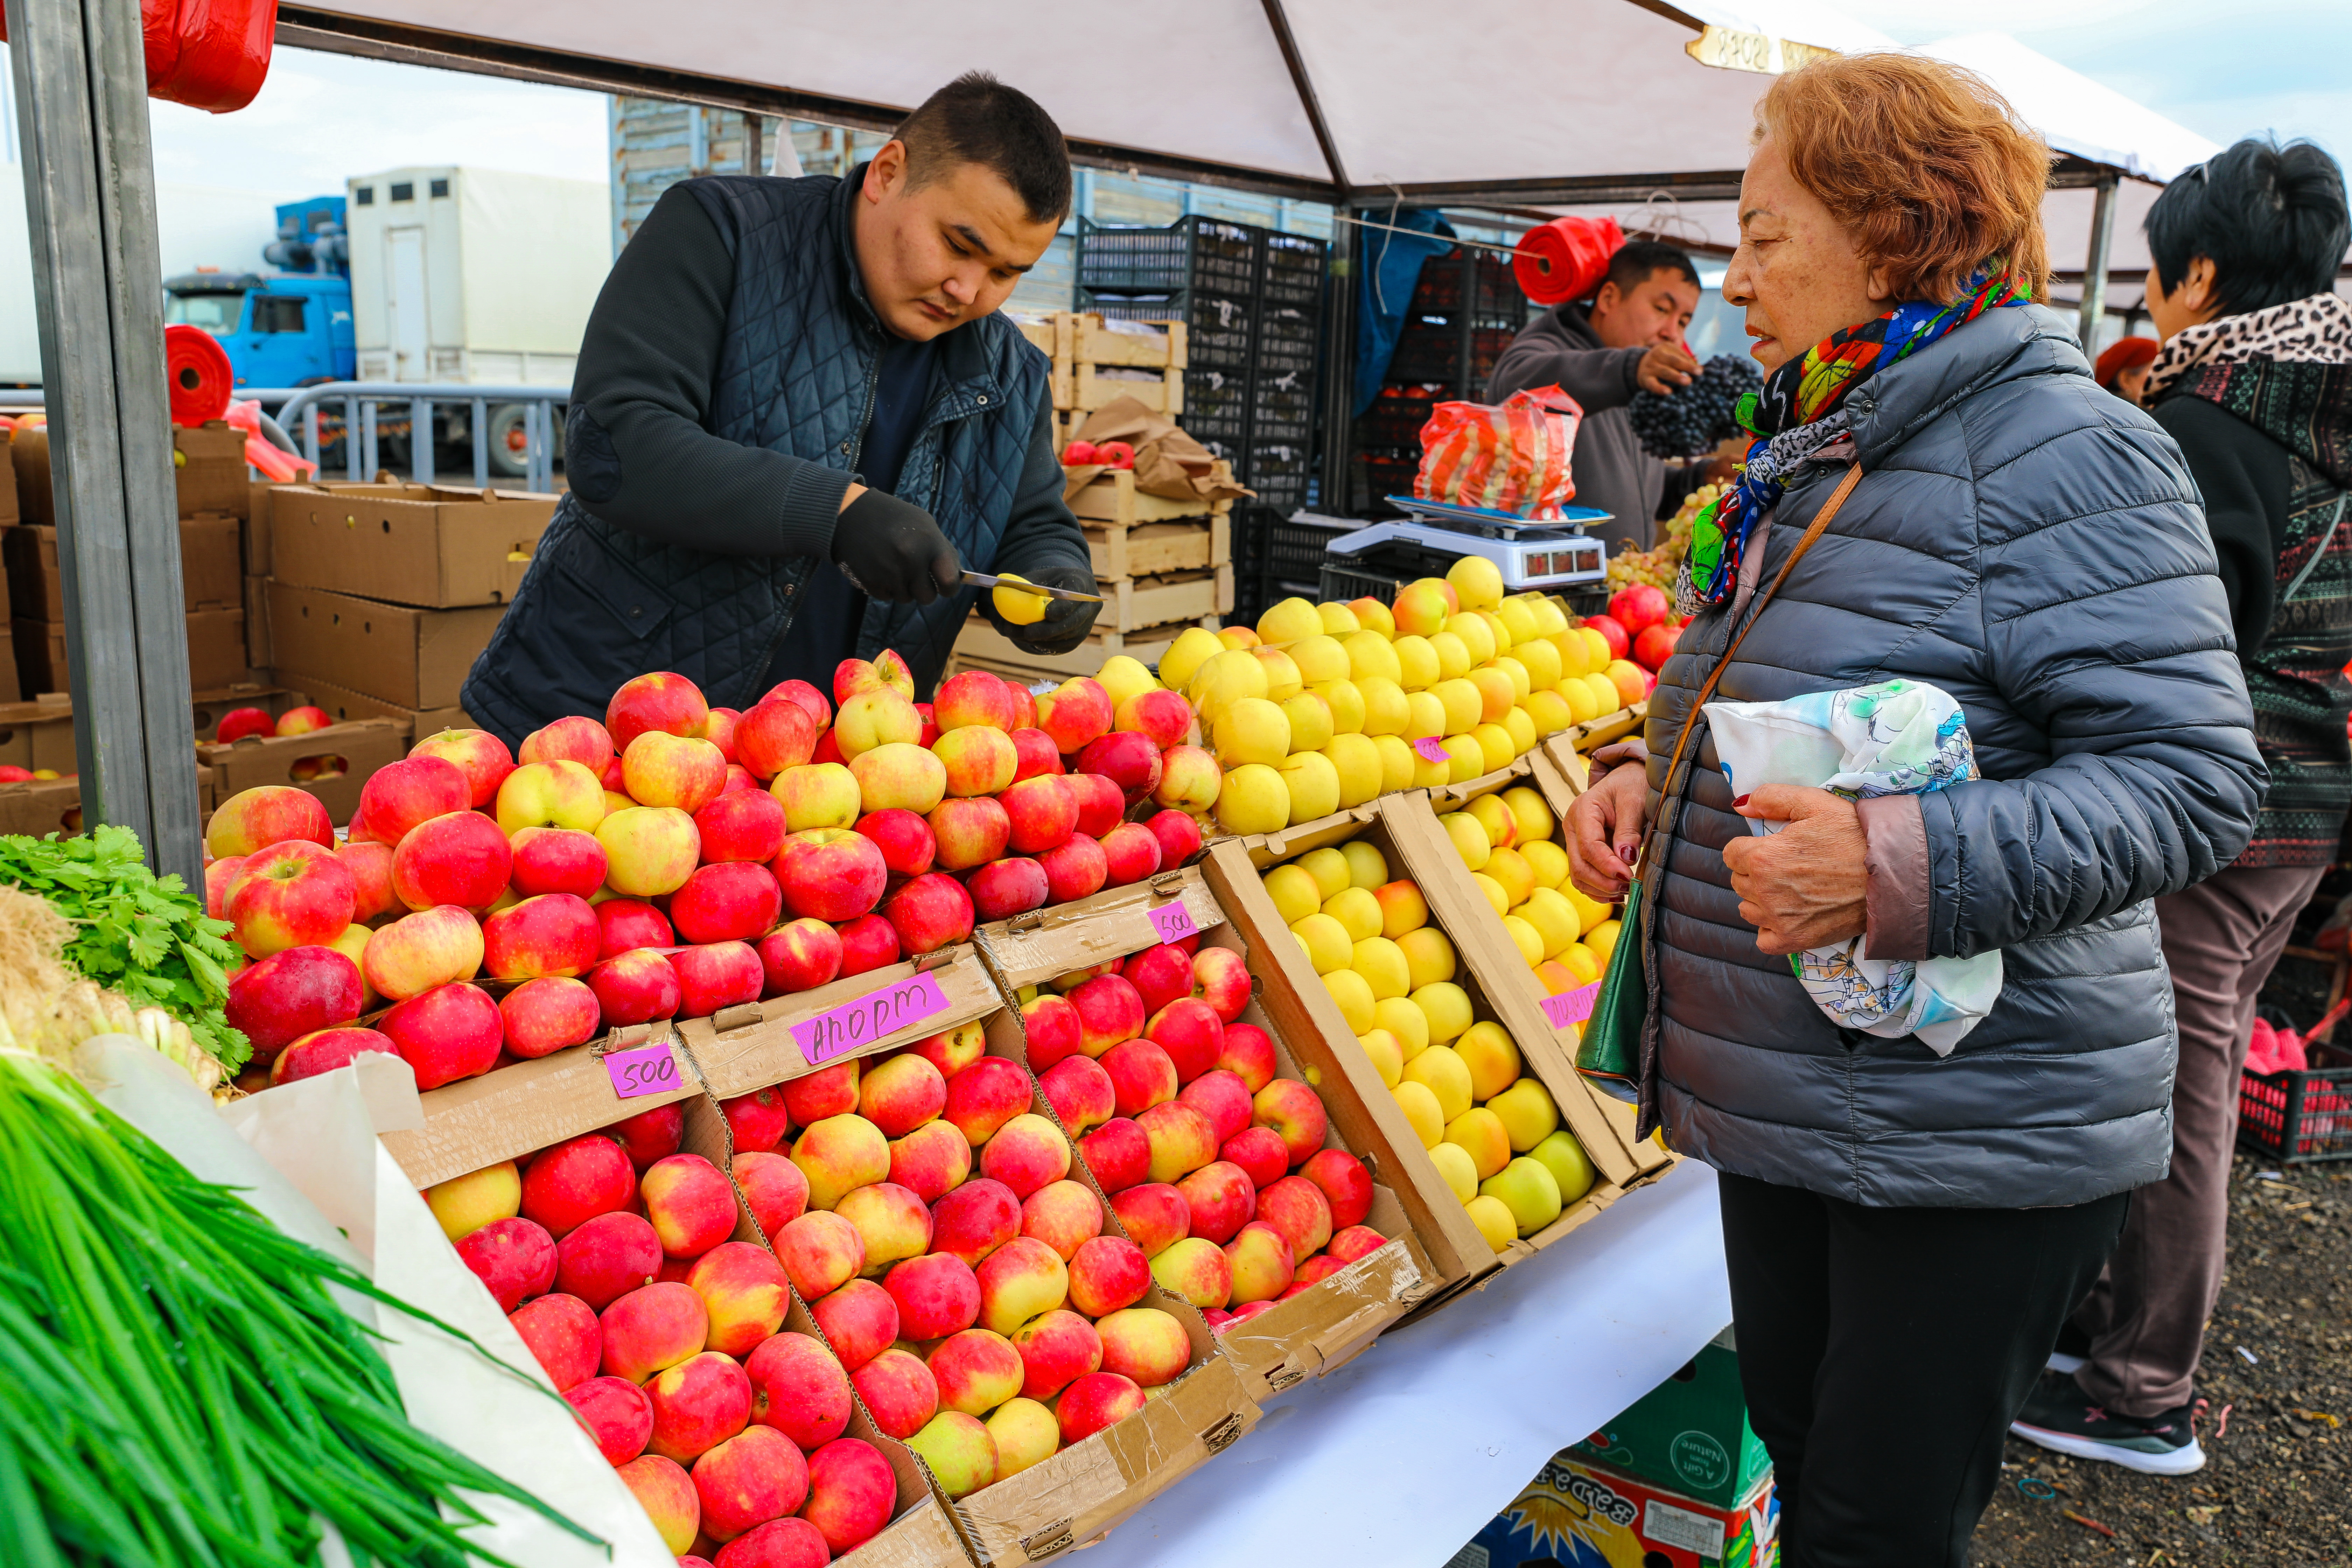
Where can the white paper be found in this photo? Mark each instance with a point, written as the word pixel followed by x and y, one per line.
pixel 307 1157
pixel 1406 1452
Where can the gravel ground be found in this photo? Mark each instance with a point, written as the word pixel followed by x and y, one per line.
pixel 2274 1492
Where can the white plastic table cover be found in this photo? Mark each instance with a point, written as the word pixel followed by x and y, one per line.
pixel 1404 1454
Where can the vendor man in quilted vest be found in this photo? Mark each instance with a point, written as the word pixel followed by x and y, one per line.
pixel 797 418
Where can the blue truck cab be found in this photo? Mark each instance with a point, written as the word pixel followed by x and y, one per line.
pixel 291 328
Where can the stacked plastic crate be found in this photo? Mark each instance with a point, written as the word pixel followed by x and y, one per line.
pixel 1252 302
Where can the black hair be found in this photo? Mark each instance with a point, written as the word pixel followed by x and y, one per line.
pixel 2271 219
pixel 1637 258
pixel 977 119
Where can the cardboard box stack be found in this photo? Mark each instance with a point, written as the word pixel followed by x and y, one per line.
pixel 208 464
pixel 377 597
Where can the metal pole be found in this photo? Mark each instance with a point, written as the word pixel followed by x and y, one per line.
pixel 80 75
pixel 1339 360
pixel 420 440
pixel 2094 268
pixel 481 421
pixel 352 440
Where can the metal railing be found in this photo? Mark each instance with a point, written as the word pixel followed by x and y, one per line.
pixel 297 411
pixel 360 401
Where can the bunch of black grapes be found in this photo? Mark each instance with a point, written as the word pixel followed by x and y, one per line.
pixel 1693 419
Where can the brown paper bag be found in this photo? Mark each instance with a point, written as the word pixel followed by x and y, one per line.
pixel 1168 462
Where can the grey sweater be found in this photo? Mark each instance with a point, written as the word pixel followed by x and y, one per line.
pixel 1611 471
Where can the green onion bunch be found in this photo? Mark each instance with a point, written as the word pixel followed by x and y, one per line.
pixel 177 1385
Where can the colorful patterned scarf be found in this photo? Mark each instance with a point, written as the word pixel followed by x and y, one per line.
pixel 1801 410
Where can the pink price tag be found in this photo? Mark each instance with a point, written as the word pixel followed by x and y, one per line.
pixel 1571 1006
pixel 1429 751
pixel 647 1070
pixel 873 1016
pixel 1172 920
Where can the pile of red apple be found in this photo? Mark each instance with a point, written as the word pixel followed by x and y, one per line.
pixel 916 1199
pixel 239 722
pixel 610 1254
pixel 1214 1165
pixel 676 859
pixel 1641 625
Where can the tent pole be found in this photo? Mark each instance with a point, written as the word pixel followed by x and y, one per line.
pixel 1333 497
pixel 2095 267
pixel 80 76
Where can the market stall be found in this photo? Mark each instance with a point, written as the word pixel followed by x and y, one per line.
pixel 915 1131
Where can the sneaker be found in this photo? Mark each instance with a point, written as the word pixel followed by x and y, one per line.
pixel 2059 1416
pixel 2073 1349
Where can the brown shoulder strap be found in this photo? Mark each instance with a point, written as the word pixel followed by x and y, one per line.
pixel 1690 720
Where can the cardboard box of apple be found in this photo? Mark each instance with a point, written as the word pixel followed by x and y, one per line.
pixel 1216 1167
pixel 676 859
pixel 1493 1131
pixel 612 1254
pixel 1318 709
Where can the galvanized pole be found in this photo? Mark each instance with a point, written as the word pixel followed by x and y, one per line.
pixel 2095 267
pixel 80 76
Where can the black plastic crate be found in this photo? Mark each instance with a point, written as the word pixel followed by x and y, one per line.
pixel 1340 584
pixel 1192 253
pixel 1394 422
pixel 1295 265
pixel 2300 1118
pixel 1426 351
pixel 1269 543
pixel 1284 408
pixel 1216 404
pixel 1278 471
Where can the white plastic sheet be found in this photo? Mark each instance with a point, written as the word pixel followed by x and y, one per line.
pixel 1405 1453
pixel 307 1156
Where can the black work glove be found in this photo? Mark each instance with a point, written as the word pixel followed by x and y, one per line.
pixel 1067 621
pixel 891 550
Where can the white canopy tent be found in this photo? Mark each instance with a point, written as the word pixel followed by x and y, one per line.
pixel 1511 106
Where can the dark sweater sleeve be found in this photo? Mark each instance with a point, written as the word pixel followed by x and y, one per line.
pixel 1041 532
pixel 1544 355
pixel 2242 476
pixel 637 452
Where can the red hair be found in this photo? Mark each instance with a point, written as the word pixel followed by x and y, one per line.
pixel 1924 163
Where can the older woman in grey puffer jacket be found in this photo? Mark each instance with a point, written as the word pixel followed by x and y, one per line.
pixel 1905 1232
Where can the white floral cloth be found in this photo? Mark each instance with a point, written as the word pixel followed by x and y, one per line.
pixel 1897 737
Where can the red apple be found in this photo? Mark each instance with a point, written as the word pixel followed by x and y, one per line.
pixel 807 698
pixel 1075 869
pixel 574 738
pixel 628 924
pixel 929 912
pixel 665 703
pixel 744 825
pixel 554 933
pixel 869 941
pixel 238 722
pixel 1128 759
pixel 800 956
pixel 548 1015
pixel 1006 888
pixel 831 874
pixel 327 1050
pixel 482 756
pixel 906 840
pixel 776 734
pixel 557 860
pixel 1036 755
pixel 291 894
pixel 1179 836
pixel 734 901
pixel 1611 632
pixel 969 832
pixel 635 988
pixel 1101 804
pixel 716 976
pixel 291 994
pixel 451 1031
pixel 402 794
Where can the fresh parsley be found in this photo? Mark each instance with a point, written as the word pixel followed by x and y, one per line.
pixel 144 936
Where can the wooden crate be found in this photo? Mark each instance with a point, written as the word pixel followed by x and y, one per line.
pixel 1079 387
pixel 981 646
pixel 1132 534
pixel 1135 604
pixel 1082 337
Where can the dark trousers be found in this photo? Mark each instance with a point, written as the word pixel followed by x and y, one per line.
pixel 2146 1317
pixel 1885 1351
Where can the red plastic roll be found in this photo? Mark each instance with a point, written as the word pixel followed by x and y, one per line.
pixel 197 368
pixel 208 54
pixel 1564 259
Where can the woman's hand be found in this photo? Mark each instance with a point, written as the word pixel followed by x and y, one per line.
pixel 1604 833
pixel 1806 886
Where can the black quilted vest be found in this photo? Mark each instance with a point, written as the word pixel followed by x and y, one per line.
pixel 599 605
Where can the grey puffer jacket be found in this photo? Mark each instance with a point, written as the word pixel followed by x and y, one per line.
pixel 2034 547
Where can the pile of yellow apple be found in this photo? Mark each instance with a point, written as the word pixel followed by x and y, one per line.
pixel 1317 710
pixel 1506 840
pixel 1494 1134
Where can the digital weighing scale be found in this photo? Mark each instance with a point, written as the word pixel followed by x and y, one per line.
pixel 1554 553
